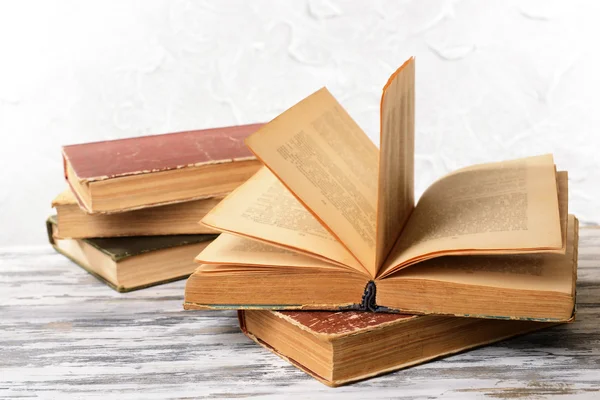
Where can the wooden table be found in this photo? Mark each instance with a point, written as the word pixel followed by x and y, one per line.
pixel 65 335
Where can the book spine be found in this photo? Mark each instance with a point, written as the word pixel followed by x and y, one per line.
pixel 242 321
pixel 49 231
pixel 369 301
pixel 64 158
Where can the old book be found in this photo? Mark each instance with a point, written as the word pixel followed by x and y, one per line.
pixel 342 347
pixel 331 223
pixel 171 219
pixel 130 263
pixel 127 174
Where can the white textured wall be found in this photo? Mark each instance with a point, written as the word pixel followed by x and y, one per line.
pixel 495 80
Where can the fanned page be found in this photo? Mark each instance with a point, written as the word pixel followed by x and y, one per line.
pixel 395 198
pixel 325 159
pixel 243 253
pixel 263 209
pixel 497 208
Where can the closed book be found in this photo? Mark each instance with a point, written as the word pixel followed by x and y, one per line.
pixel 343 347
pixel 127 174
pixel 170 219
pixel 131 263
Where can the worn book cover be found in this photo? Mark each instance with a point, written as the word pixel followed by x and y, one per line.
pixel 343 347
pixel 158 169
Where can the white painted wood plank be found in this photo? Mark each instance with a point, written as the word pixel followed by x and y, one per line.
pixel 63 335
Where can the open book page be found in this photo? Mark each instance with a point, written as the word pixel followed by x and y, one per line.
pixel 396 198
pixel 542 271
pixel 330 165
pixel 504 207
pixel 563 207
pixel 236 250
pixel 262 208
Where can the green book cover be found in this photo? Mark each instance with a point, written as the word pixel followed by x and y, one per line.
pixel 121 248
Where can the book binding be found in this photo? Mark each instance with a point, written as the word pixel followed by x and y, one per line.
pixel 368 301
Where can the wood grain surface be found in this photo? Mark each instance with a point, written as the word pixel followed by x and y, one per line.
pixel 65 335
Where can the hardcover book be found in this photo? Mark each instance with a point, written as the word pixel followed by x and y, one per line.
pixel 172 219
pixel 131 263
pixel 127 174
pixel 331 223
pixel 343 347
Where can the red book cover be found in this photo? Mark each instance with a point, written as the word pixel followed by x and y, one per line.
pixel 342 322
pixel 139 155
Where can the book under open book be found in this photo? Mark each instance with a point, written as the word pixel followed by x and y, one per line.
pixel 331 223
pixel 342 347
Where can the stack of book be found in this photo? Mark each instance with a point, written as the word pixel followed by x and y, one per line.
pixel 323 250
pixel 131 213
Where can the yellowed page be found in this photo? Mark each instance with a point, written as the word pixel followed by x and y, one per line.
pixel 541 272
pixel 563 206
pixel 396 199
pixel 231 249
pixel 330 165
pixel 503 207
pixel 263 209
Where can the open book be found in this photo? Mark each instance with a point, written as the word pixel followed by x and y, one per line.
pixel 331 223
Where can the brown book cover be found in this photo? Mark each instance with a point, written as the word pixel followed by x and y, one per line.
pixel 107 160
pixel 343 347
